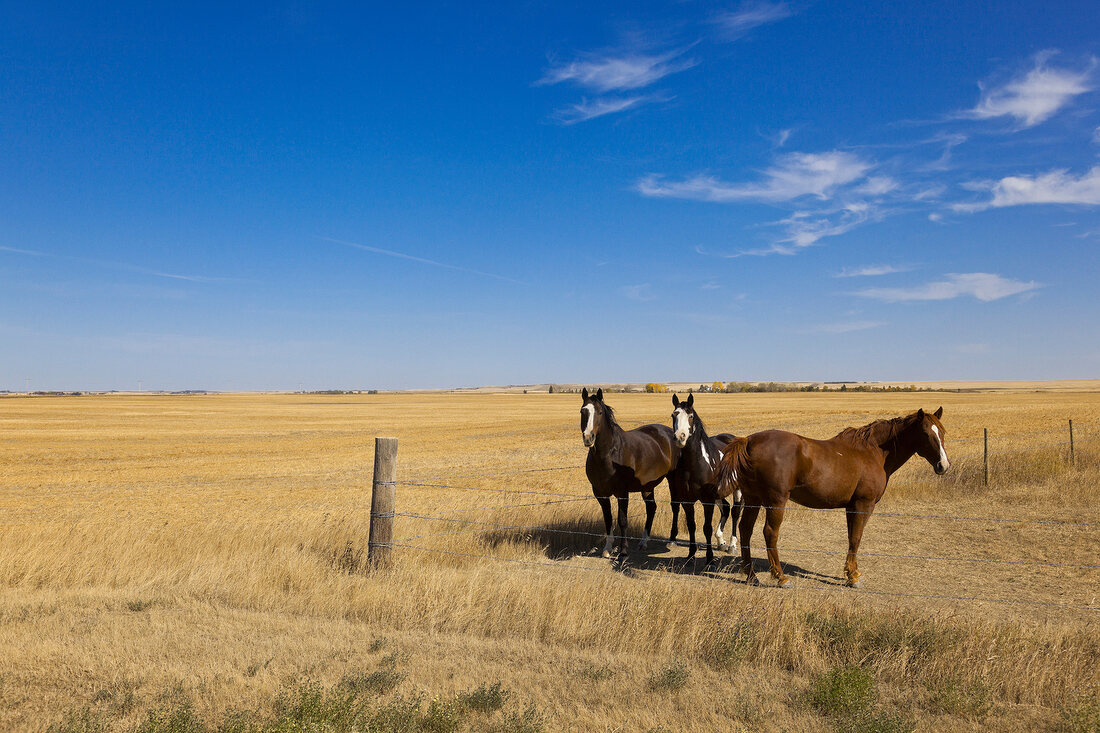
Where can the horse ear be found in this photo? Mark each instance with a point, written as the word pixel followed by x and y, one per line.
pixel 584 394
pixel 920 413
pixel 691 399
pixel 599 394
pixel 675 400
pixel 939 413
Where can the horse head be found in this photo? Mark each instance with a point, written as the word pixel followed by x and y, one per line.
pixel 592 411
pixel 683 418
pixel 930 440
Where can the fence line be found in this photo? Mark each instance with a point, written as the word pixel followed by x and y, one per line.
pixel 787 508
pixel 1077 434
pixel 795 588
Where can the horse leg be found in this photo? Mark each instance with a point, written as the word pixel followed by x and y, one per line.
pixel 708 518
pixel 623 500
pixel 735 512
pixel 773 517
pixel 744 532
pixel 675 522
pixel 689 519
pixel 650 513
pixel 609 538
pixel 724 515
pixel 857 515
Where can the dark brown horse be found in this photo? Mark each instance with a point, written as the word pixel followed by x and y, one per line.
pixel 850 471
pixel 624 461
pixel 696 476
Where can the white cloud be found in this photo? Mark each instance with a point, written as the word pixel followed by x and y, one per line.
pixel 1054 187
pixel 877 186
pixel 982 285
pixel 610 73
pixel 844 327
pixel 805 229
pixel 794 175
pixel 1096 136
pixel 871 271
pixel 1034 96
pixel 736 23
pixel 586 110
pixel 640 293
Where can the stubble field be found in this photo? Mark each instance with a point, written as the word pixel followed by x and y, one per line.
pixel 200 562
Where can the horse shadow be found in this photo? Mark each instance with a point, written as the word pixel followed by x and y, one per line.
pixel 564 540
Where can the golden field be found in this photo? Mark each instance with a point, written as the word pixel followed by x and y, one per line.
pixel 168 560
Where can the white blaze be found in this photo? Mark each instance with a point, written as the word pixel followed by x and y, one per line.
pixel 943 453
pixel 587 434
pixel 681 426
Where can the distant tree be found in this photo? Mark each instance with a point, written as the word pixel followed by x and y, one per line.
pixel 717 387
pixel 551 389
pixel 654 387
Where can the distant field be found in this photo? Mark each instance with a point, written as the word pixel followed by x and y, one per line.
pixel 191 556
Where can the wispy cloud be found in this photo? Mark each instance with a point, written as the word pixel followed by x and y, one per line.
pixel 844 327
pixel 640 293
pixel 871 271
pixel 118 266
pixel 588 110
pixel 1035 96
pixel 984 286
pixel 421 260
pixel 733 24
pixel 618 72
pixel 793 176
pixel 1054 187
pixel 31 252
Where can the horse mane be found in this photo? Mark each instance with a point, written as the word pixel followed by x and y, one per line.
pixel 609 414
pixel 876 433
pixel 700 427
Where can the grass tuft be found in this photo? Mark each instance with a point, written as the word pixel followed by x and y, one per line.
pixel 669 678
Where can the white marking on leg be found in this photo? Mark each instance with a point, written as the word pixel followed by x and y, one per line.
pixel 721 539
pixel 943 453
pixel 588 434
pixel 644 541
pixel 608 544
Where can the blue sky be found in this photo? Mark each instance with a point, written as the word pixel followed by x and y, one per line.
pixel 448 195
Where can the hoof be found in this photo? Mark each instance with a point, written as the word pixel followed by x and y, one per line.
pixel 605 553
pixel 724 546
pixel 854 583
pixel 784 582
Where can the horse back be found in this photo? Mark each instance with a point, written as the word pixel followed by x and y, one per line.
pixel 652 451
pixel 818 473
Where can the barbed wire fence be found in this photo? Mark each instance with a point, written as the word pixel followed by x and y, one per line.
pixel 452 523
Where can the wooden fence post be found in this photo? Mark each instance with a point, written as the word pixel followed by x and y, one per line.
pixel 382 501
pixel 1072 456
pixel 985 478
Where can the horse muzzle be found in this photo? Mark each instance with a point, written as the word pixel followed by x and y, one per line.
pixel 589 440
pixel 942 468
pixel 682 439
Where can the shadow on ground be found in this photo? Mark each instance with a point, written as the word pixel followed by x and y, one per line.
pixel 565 540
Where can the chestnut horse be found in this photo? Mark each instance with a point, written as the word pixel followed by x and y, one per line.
pixel 696 476
pixel 624 461
pixel 850 471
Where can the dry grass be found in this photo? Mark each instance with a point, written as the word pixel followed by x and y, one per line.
pixel 211 549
